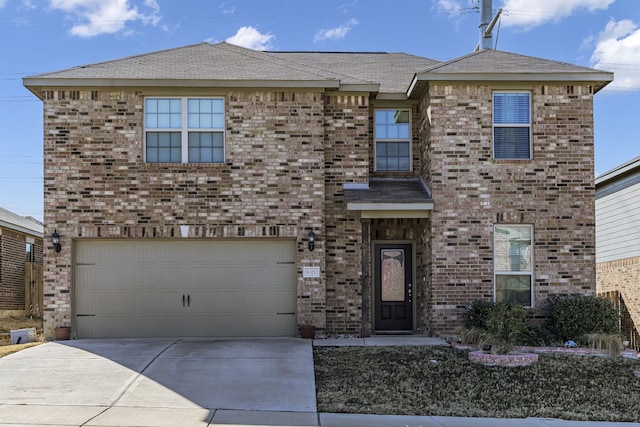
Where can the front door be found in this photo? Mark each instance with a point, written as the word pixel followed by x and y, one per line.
pixel 393 287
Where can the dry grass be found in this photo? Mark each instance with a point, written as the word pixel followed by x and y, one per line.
pixel 8 324
pixel 441 381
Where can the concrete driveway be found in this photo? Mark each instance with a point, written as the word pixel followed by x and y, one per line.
pixel 160 382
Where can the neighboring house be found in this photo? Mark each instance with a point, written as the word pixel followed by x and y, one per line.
pixel 20 264
pixel 214 190
pixel 618 242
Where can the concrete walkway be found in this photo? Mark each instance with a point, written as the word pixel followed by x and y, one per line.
pixel 192 382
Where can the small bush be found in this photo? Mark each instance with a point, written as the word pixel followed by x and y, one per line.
pixel 497 324
pixel 536 336
pixel 574 317
pixel 477 314
pixel 611 343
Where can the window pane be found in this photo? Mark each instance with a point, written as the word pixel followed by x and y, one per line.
pixel 201 147
pixel 511 108
pixel 392 156
pixel 513 288
pixel 206 113
pixel 163 113
pixel 511 143
pixel 163 147
pixel 392 275
pixel 513 248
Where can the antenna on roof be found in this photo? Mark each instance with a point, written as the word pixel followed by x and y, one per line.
pixel 486 25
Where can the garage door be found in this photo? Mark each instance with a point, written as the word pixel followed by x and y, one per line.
pixel 173 288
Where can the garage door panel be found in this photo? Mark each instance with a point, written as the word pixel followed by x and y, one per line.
pixel 166 288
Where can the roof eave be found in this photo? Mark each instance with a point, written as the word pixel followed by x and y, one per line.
pixel 599 79
pixel 43 82
pixel 21 229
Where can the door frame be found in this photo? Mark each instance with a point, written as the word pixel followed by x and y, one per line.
pixel 374 287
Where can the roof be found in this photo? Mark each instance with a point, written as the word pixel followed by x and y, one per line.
pixel 390 75
pixel 226 65
pixel 405 197
pixel 22 224
pixel 495 65
pixel 392 71
pixel 632 167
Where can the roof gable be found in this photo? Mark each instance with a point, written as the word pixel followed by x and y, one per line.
pixel 495 65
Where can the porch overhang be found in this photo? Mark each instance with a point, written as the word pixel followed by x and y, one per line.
pixel 390 198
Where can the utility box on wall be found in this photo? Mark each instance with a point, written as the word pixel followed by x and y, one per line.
pixel 23 336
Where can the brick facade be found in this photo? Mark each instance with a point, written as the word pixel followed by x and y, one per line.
pixel 554 192
pixel 622 277
pixel 12 267
pixel 289 154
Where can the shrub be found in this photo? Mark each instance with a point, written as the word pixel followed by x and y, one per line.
pixel 477 314
pixel 536 336
pixel 496 324
pixel 573 317
pixel 611 343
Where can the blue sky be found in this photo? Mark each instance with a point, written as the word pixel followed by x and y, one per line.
pixel 47 35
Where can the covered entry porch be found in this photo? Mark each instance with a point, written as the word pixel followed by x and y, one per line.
pixel 395 218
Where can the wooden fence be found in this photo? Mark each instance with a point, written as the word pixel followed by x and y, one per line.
pixel 33 289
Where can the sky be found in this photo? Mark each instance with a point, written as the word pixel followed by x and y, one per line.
pixel 47 35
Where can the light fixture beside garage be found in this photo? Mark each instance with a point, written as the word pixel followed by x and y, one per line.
pixel 55 239
pixel 312 240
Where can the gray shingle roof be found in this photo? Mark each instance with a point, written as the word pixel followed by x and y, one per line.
pixel 496 61
pixel 495 65
pixel 226 65
pixel 393 71
pixel 390 191
pixel 15 222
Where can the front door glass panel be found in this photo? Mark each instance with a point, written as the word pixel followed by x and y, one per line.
pixel 393 277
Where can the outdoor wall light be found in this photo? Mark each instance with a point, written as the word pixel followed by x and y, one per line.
pixel 312 240
pixel 55 239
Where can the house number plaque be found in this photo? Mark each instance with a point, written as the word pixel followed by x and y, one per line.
pixel 310 272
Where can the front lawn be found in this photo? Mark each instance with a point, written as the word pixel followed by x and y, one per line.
pixel 441 381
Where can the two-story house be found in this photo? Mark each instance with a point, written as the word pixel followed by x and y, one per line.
pixel 213 190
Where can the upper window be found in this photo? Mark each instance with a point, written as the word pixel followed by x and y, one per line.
pixel 512 125
pixel 513 247
pixel 393 140
pixel 184 130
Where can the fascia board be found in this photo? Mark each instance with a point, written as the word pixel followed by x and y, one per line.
pixel 53 82
pixel 355 206
pixel 512 77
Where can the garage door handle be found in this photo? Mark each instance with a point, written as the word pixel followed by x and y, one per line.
pixel 183 300
pixel 85 315
pixel 188 300
pixel 286 313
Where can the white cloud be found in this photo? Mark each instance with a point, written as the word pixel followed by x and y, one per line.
pixel 105 16
pixel 531 13
pixel 2 3
pixel 452 7
pixel 618 50
pixel 335 33
pixel 225 9
pixel 251 38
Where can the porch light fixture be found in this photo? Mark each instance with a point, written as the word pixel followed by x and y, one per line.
pixel 55 239
pixel 312 240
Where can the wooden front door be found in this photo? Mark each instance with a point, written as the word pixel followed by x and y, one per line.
pixel 393 287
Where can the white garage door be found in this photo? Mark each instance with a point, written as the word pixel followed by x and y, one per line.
pixel 173 288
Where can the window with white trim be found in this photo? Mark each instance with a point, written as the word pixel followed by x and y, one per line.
pixel 513 264
pixel 184 130
pixel 511 125
pixel 393 140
